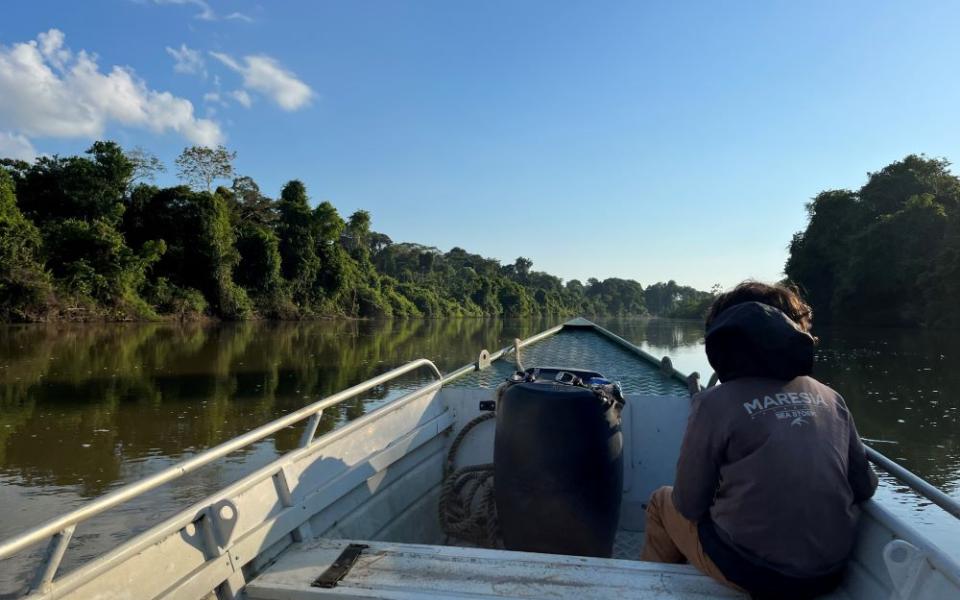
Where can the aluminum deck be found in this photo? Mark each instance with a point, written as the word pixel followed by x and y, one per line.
pixel 389 571
pixel 584 349
pixel 403 571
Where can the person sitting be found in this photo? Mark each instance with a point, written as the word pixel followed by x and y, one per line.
pixel 771 469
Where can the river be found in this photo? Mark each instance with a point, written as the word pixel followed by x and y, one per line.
pixel 85 409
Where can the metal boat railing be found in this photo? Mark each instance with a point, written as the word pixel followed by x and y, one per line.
pixel 60 529
pixel 915 483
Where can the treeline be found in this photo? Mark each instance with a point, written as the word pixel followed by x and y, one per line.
pixel 679 301
pixel 88 237
pixel 888 253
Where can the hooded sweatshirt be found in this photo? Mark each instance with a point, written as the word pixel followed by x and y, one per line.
pixel 771 466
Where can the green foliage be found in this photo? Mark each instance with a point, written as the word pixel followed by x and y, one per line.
pixel 259 270
pixel 24 285
pixel 200 240
pixel 619 296
pixel 183 303
pixel 886 253
pixel 79 187
pixel 295 228
pixel 249 205
pixel 123 249
pixel 90 260
pixel 678 301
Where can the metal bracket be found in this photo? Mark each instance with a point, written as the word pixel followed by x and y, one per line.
pixel 340 567
pixel 906 565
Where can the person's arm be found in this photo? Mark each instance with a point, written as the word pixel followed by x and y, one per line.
pixel 863 481
pixel 698 469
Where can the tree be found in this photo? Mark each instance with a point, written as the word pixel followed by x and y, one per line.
pixel 250 204
pixel 379 242
pixel 357 236
pixel 24 285
pixel 295 228
pixel 522 266
pixel 200 166
pixel 883 254
pixel 328 229
pixel 258 271
pixel 145 165
pixel 200 239
pixel 82 187
pixel 880 282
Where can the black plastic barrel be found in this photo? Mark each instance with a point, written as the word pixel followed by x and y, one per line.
pixel 558 469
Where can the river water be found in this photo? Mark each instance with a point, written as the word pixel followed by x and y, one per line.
pixel 85 409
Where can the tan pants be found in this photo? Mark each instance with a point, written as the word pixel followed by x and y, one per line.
pixel 671 538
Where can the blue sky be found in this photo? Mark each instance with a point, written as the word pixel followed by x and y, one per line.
pixel 640 139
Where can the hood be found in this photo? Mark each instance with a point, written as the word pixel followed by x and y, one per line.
pixel 756 340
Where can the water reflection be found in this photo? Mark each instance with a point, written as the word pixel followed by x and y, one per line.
pixel 78 402
pixel 899 384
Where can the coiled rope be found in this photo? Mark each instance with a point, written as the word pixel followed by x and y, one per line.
pixel 468 509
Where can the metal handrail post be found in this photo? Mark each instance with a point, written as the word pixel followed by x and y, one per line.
pixel 311 429
pixel 51 561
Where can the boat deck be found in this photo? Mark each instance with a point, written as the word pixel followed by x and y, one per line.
pixel 391 571
pixel 582 349
pixel 402 571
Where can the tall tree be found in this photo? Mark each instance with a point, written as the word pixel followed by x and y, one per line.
pixel 200 166
pixel 881 254
pixel 357 236
pixel 146 166
pixel 295 228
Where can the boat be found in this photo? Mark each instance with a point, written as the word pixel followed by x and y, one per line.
pixel 354 513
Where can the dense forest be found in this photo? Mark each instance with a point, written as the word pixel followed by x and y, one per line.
pixel 886 254
pixel 90 238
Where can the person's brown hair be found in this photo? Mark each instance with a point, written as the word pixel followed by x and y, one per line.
pixel 786 298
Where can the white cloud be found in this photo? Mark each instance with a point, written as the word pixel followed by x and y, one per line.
pixel 187 60
pixel 236 16
pixel 242 97
pixel 206 11
pixel 13 145
pixel 51 47
pixel 48 90
pixel 265 75
pixel 211 97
